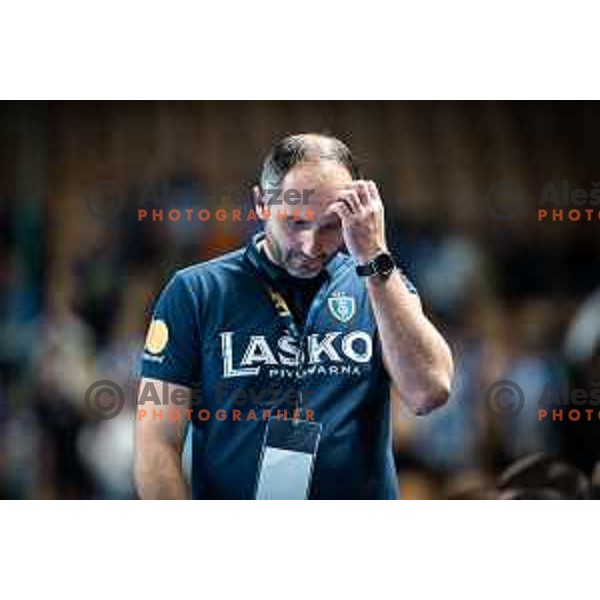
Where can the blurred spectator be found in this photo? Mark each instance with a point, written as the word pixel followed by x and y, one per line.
pixel 106 446
pixel 64 369
pixel 543 477
pixel 534 364
pixel 582 354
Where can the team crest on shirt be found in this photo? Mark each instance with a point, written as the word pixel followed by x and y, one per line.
pixel 341 306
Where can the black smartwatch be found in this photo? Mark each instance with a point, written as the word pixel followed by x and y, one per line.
pixel 382 266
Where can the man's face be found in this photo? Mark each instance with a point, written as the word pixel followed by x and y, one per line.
pixel 307 239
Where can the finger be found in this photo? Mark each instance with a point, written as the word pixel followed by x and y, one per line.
pixel 340 209
pixel 373 191
pixel 350 198
pixel 366 191
pixel 363 191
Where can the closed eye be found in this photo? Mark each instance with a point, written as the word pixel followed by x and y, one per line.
pixel 298 222
pixel 330 226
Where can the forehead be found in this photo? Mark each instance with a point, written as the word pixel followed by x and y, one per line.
pixel 322 179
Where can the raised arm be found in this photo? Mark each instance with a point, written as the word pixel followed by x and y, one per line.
pixel 415 354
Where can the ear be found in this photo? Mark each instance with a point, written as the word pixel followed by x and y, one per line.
pixel 259 202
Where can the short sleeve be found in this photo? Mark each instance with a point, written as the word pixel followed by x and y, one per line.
pixel 172 348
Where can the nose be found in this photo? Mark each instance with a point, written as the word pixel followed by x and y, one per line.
pixel 311 246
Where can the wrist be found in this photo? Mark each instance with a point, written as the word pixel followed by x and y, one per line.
pixel 381 265
pixel 366 257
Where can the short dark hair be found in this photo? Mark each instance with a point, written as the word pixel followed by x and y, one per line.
pixel 302 148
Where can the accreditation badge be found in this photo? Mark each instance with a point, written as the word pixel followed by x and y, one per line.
pixel 286 464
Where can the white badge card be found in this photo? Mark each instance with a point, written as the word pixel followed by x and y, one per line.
pixel 287 459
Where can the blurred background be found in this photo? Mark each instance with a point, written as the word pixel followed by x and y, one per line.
pixel 517 298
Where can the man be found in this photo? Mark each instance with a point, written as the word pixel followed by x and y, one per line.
pixel 291 312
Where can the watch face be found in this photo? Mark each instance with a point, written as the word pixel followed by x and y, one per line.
pixel 384 264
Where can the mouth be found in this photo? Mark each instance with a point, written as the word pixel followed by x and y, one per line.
pixel 311 262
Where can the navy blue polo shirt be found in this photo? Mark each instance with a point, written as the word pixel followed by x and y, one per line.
pixel 216 329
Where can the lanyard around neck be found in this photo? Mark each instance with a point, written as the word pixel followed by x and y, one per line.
pixel 285 314
pixel 283 311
